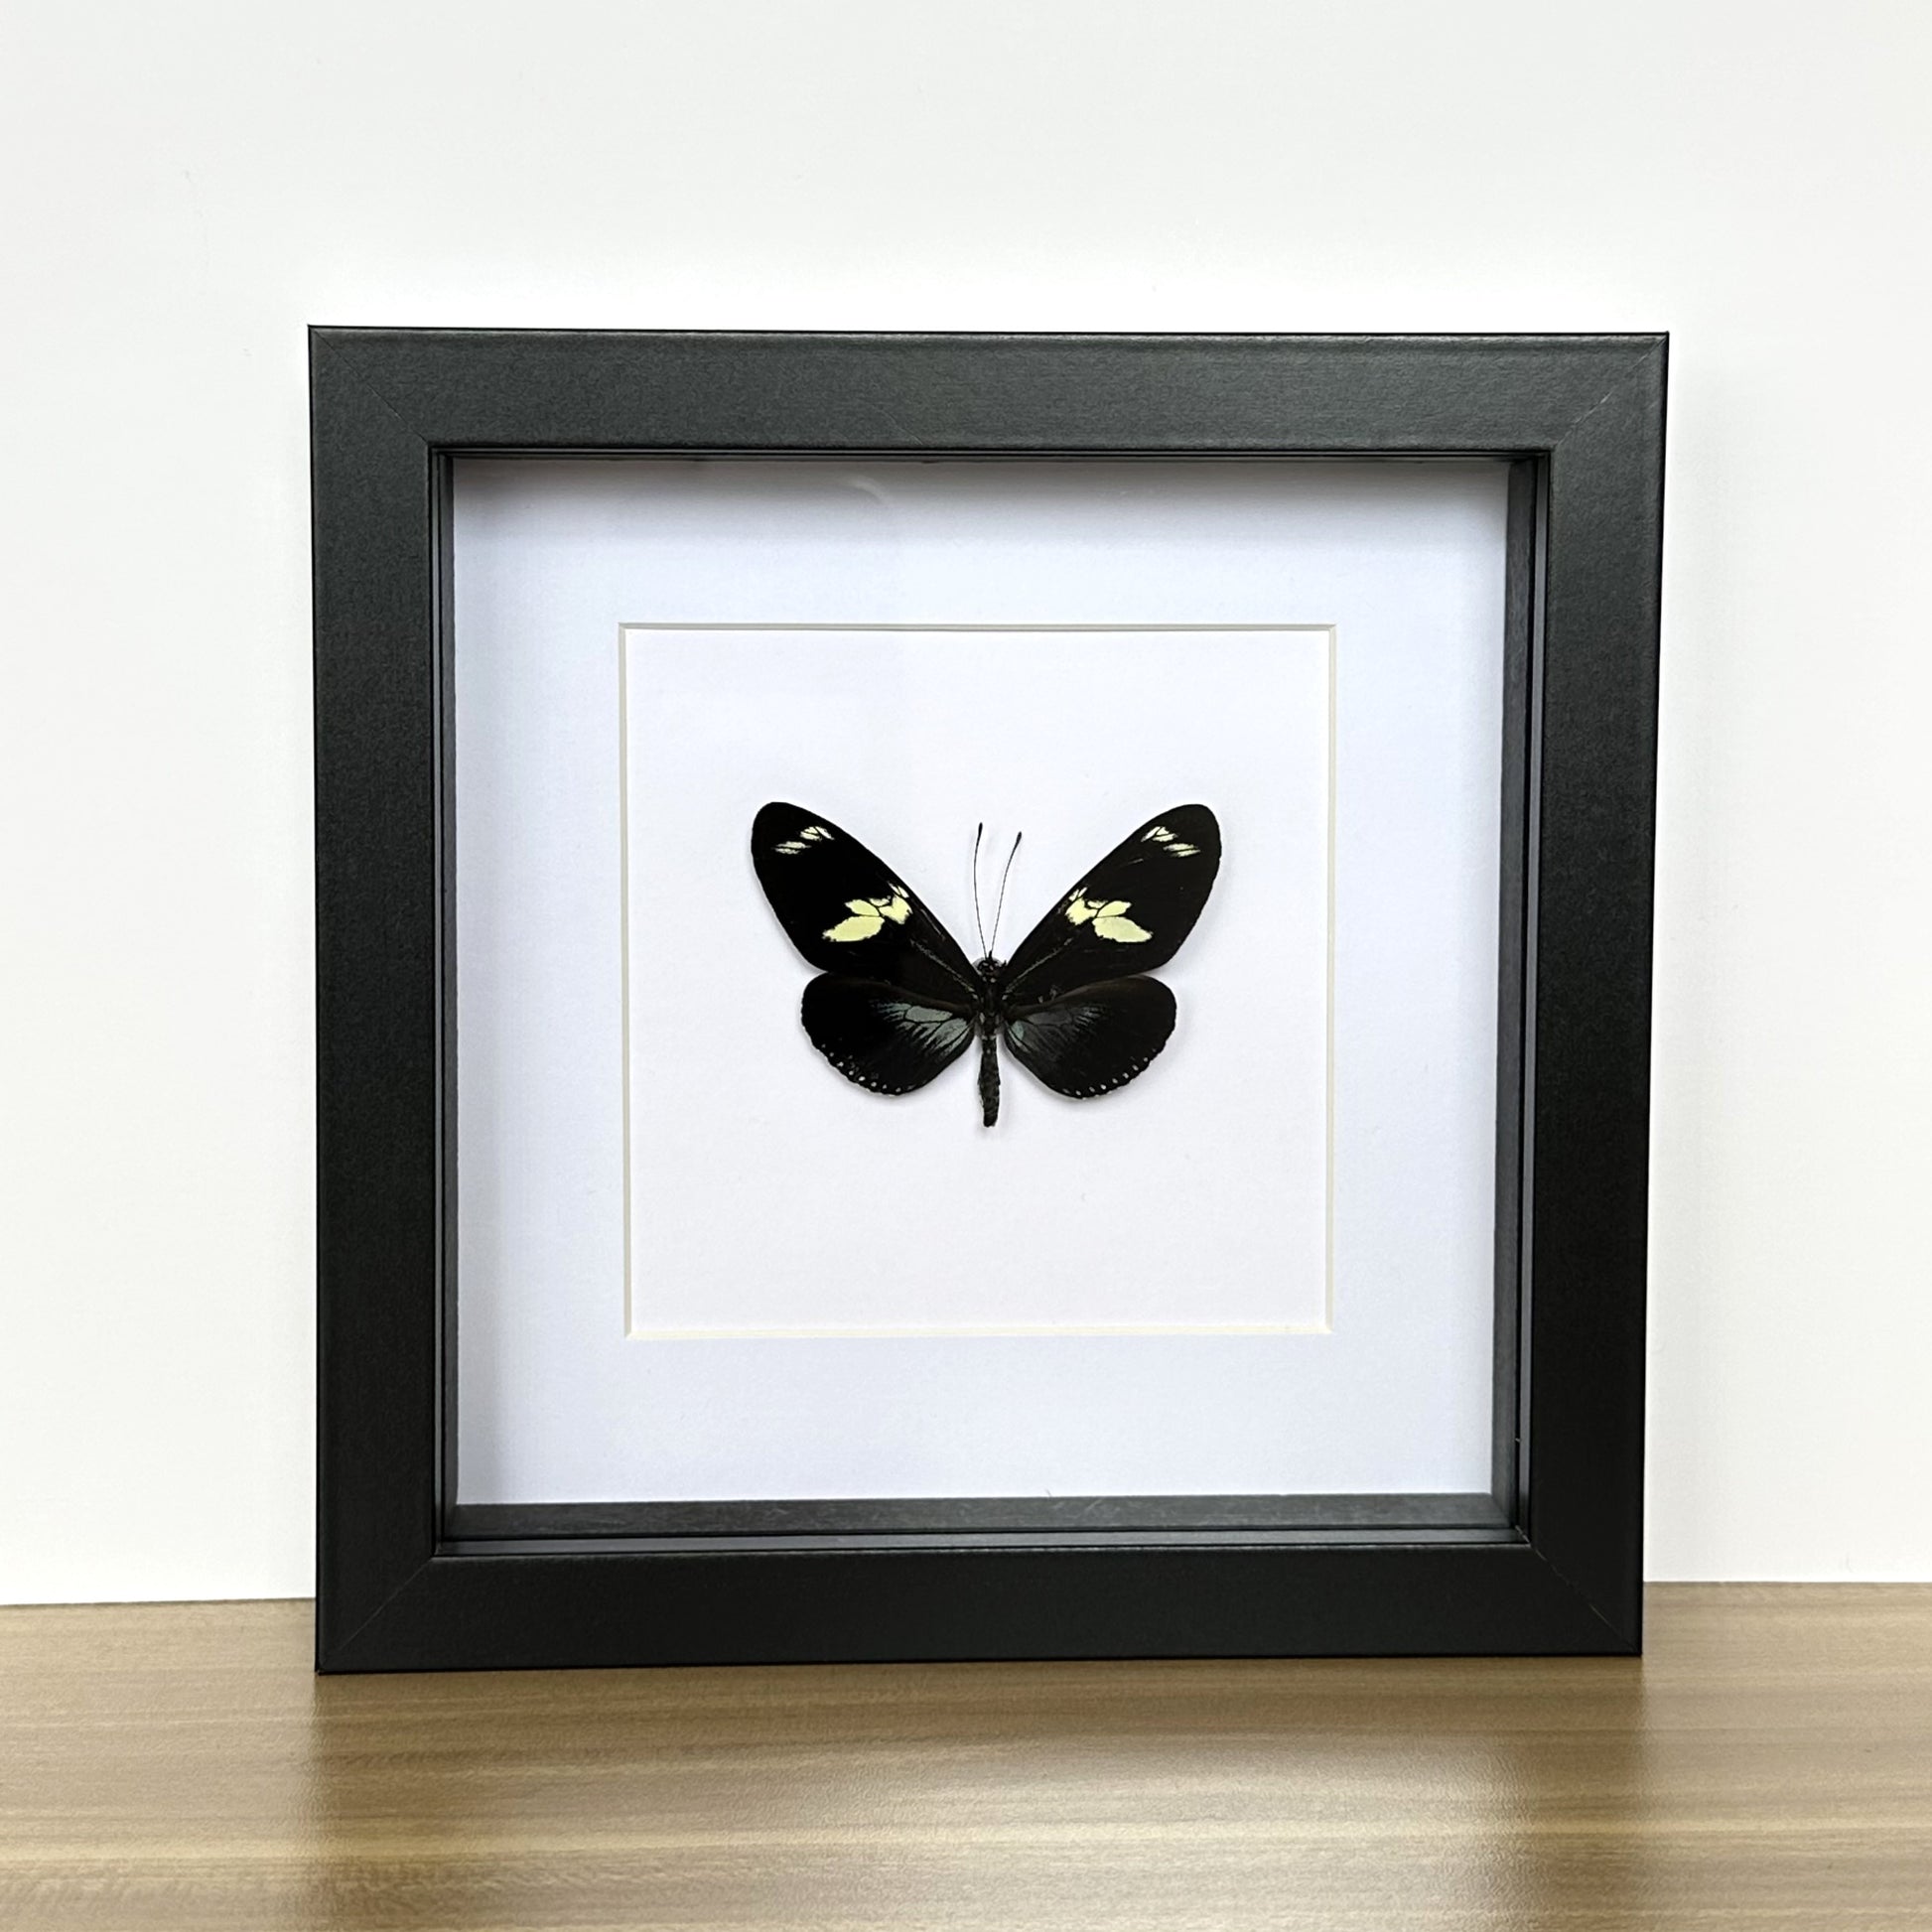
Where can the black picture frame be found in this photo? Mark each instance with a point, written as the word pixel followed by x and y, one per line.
pixel 1548 1561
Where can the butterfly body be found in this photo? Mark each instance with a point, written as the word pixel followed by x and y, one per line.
pixel 986 1022
pixel 897 1000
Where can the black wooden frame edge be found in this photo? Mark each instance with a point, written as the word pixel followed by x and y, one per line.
pixel 1589 922
pixel 1521 642
pixel 922 1605
pixel 377 464
pixel 466 1524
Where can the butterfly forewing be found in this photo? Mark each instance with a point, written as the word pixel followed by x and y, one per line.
pixel 851 914
pixel 1125 916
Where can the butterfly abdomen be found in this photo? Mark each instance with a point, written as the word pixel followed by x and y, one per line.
pixel 989 1078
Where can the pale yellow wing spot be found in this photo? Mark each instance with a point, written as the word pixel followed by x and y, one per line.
pixel 869 915
pixel 863 922
pixel 1107 919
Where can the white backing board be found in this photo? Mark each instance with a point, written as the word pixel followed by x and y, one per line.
pixel 558 1401
pixel 1193 1201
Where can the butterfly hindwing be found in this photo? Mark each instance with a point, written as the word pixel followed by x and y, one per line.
pixel 882 1038
pixel 850 913
pixel 1127 916
pixel 1095 1040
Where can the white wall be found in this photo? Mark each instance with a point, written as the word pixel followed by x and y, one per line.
pixel 187 185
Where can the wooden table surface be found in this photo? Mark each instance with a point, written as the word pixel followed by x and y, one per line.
pixel 1768 1764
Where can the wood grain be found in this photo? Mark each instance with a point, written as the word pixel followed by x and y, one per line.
pixel 1768 1765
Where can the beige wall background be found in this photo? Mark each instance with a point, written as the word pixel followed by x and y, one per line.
pixel 186 186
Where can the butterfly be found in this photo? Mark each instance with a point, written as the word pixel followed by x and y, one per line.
pixel 896 1001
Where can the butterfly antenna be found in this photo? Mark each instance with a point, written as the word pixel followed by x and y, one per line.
pixel 978 832
pixel 1000 906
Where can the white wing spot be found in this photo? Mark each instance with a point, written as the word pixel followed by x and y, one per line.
pixel 808 836
pixel 1178 847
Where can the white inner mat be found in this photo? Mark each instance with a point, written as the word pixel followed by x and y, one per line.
pixel 1192 1200
pixel 558 1401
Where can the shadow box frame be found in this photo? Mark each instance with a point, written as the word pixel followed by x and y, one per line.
pixel 1547 1562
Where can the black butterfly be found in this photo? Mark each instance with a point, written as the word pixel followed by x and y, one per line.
pixel 897 1000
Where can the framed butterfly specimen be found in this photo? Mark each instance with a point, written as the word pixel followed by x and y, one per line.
pixel 1391 603
pixel 898 1001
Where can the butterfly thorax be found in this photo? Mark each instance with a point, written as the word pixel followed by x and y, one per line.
pixel 986 1014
